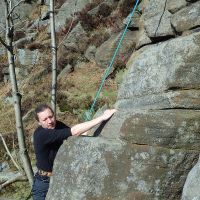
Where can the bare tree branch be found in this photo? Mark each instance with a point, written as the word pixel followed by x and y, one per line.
pixel 13 160
pixel 17 16
pixel 4 44
pixel 15 177
pixel 13 8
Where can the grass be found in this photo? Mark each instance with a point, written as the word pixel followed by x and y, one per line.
pixel 86 80
pixel 78 89
pixel 7 116
pixel 3 58
pixel 109 94
pixel 21 191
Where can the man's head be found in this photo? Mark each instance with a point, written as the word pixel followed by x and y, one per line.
pixel 45 116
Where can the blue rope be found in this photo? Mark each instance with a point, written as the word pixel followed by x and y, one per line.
pixel 88 114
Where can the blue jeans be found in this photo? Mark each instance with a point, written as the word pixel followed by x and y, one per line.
pixel 40 187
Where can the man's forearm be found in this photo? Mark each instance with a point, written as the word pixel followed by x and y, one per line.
pixel 85 126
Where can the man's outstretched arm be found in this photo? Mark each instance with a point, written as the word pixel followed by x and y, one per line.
pixel 85 126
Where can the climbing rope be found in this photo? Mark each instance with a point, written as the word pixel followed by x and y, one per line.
pixel 88 114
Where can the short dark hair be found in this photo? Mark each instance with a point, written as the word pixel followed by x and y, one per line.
pixel 41 108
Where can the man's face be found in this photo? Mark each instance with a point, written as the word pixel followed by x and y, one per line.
pixel 46 119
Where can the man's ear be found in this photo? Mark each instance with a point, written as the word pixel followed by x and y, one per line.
pixel 39 123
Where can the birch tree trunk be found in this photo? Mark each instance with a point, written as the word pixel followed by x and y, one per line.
pixel 54 57
pixel 15 93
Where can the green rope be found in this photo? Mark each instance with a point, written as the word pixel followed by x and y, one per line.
pixel 88 114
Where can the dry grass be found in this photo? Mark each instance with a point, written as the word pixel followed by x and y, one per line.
pixel 7 116
pixel 5 89
pixel 80 88
pixel 37 12
pixel 43 36
pixel 3 59
pixel 7 122
pixel 84 79
pixel 125 7
pixel 98 37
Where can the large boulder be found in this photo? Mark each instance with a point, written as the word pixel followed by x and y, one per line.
pixel 187 18
pixel 157 20
pixel 174 6
pixel 77 39
pixel 105 52
pixel 142 37
pixel 134 22
pixel 103 169
pixel 162 68
pixel 90 53
pixel 148 147
pixel 27 57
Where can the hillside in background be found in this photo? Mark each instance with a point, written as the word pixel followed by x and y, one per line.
pixel 79 75
pixel 149 146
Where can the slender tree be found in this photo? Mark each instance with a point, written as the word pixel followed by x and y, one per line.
pixel 15 92
pixel 54 56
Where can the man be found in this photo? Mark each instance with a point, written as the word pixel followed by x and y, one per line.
pixel 48 138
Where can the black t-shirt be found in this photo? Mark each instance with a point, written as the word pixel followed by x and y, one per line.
pixel 47 142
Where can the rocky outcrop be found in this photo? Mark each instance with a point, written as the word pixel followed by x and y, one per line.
pixel 21 11
pixel 146 150
pixel 162 68
pixel 174 6
pixel 113 169
pixel 27 57
pixel 142 37
pixel 90 53
pixel 187 18
pixel 77 39
pixel 157 19
pixel 67 11
pixel 105 52
pixel 148 147
pixel 135 21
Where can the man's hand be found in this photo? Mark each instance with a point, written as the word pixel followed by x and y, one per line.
pixel 108 113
